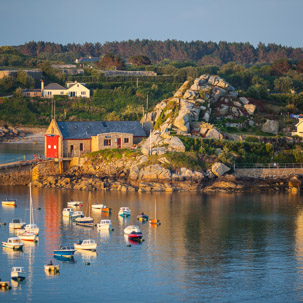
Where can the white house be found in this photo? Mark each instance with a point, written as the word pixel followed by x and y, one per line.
pixel 74 89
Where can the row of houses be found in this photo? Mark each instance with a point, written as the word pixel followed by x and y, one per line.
pixel 64 140
pixel 73 89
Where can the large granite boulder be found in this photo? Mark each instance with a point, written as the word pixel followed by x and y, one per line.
pixel 219 169
pixel 271 126
pixel 176 145
pixel 250 108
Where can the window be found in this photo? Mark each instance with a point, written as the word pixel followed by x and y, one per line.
pixel 55 147
pixel 81 146
pixel 126 140
pixel 49 146
pixel 71 148
pixel 83 93
pixel 107 142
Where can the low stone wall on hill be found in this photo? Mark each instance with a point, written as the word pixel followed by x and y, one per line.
pixel 270 173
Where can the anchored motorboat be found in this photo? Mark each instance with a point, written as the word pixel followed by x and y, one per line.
pixel 88 244
pixel 18 273
pixel 74 203
pixel 65 251
pixel 9 202
pixel 102 207
pixel 67 212
pixel 28 236
pixel 124 212
pixel 105 224
pixel 17 224
pixel 77 214
pixel 142 217
pixel 51 268
pixel 14 243
pixel 131 228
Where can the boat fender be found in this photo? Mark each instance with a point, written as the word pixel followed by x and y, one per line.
pixel 128 245
pixel 87 263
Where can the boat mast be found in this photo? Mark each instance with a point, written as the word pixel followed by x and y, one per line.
pixel 30 204
pixel 155 209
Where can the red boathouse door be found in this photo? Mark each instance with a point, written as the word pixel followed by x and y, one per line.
pixel 52 146
pixel 119 142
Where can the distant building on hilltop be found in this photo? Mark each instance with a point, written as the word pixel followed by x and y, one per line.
pixel 299 126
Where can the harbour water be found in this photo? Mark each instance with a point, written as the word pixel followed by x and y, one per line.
pixel 209 248
pixel 10 152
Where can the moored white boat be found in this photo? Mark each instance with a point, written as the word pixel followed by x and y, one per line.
pixel 28 236
pixel 88 244
pixel 77 214
pixel 18 273
pixel 74 203
pixel 33 228
pixel 51 268
pixel 16 224
pixel 67 212
pixel 9 202
pixel 102 207
pixel 124 212
pixel 85 221
pixel 13 243
pixel 131 228
pixel 105 224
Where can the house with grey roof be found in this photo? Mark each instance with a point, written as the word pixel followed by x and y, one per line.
pixel 71 139
pixel 73 89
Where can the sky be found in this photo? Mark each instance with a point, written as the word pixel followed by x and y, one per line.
pixel 78 21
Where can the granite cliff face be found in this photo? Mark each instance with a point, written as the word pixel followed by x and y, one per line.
pixel 195 105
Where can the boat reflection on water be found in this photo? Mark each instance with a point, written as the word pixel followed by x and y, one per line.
pixel 104 234
pixel 66 221
pixel 12 253
pixel 123 220
pixel 87 254
pixel 17 284
pixel 31 243
pixel 52 273
pixel 65 259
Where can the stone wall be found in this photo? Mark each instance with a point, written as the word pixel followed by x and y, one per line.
pixel 35 73
pixel 273 173
pixel 98 141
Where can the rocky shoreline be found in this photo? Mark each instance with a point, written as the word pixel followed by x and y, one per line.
pixel 117 176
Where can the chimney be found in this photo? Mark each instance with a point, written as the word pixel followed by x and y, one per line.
pixel 42 85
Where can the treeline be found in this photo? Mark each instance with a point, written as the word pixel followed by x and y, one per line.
pixel 203 53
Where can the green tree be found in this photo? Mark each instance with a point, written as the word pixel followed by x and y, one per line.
pixel 25 79
pixel 111 61
pixel 283 84
pixel 140 60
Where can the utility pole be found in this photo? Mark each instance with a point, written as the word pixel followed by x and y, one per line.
pixel 137 82
pixel 150 142
pixel 147 102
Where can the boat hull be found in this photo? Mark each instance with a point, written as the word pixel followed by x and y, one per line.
pixel 28 236
pixel 91 247
pixel 16 225
pixel 51 268
pixel 135 236
pixel 9 203
pixel 13 246
pixel 64 254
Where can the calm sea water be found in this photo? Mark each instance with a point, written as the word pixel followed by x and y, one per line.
pixel 10 152
pixel 209 248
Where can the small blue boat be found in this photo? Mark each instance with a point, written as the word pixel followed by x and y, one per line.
pixel 65 251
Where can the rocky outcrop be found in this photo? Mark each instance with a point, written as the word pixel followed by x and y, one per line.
pixel 219 169
pixel 205 99
pixel 9 133
pixel 271 126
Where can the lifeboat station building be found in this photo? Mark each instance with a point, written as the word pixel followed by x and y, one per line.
pixel 72 139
